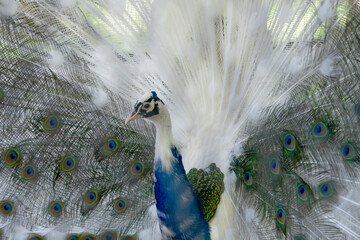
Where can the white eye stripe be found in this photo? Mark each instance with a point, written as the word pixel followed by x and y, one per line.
pixel 149 106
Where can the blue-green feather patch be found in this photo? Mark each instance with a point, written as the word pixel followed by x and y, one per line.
pixel 300 237
pixel 248 178
pixel 6 208
pixel 302 191
pixel 320 130
pixel 289 143
pixel 357 109
pixel 29 172
pixel 72 237
pixel 91 198
pixel 56 208
pixel 348 152
pixel 274 166
pixel 68 164
pixel 87 236
pixel 51 123
pixel 36 237
pixel 138 169
pixel 109 147
pixel 12 157
pixel 128 237
pixel 326 190
pixel 108 235
pixel 208 185
pixel 280 217
pixel 120 205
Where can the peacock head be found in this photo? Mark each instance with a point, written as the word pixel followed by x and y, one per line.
pixel 150 107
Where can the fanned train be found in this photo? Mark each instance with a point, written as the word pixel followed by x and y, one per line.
pixel 251 130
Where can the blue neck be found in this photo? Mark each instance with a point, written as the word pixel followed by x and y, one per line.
pixel 179 209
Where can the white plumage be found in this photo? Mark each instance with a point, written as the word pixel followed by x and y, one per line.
pixel 225 70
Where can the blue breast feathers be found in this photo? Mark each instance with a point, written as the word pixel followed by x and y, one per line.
pixel 179 209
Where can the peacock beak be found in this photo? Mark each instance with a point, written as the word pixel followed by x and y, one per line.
pixel 134 115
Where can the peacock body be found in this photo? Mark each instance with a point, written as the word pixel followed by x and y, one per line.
pixel 264 104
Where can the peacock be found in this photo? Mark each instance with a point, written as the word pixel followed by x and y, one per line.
pixel 156 119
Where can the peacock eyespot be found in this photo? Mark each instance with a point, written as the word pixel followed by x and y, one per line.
pixel 357 109
pixel 12 157
pixel 36 237
pixel 92 198
pixel 320 130
pixel 274 166
pixel 6 208
pixel 72 237
pixel 302 191
pixel 28 172
pixel 120 205
pixel 127 237
pixel 51 123
pixel 326 190
pixel 110 146
pixel 248 178
pixel 280 215
pixel 289 142
pixel 280 218
pixel 56 208
pixel 138 168
pixel 108 236
pixel 87 237
pixel 67 164
pixel 349 152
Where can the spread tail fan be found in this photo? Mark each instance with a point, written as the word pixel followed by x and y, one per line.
pixel 68 165
pixel 264 100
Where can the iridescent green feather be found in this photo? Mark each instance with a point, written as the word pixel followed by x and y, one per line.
pixel 208 184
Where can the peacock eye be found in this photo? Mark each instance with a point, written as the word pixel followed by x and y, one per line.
pixel 28 172
pixel 5 208
pixel 302 191
pixel 146 105
pixel 119 205
pixel 281 218
pixel 55 208
pixel 109 235
pixel 326 190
